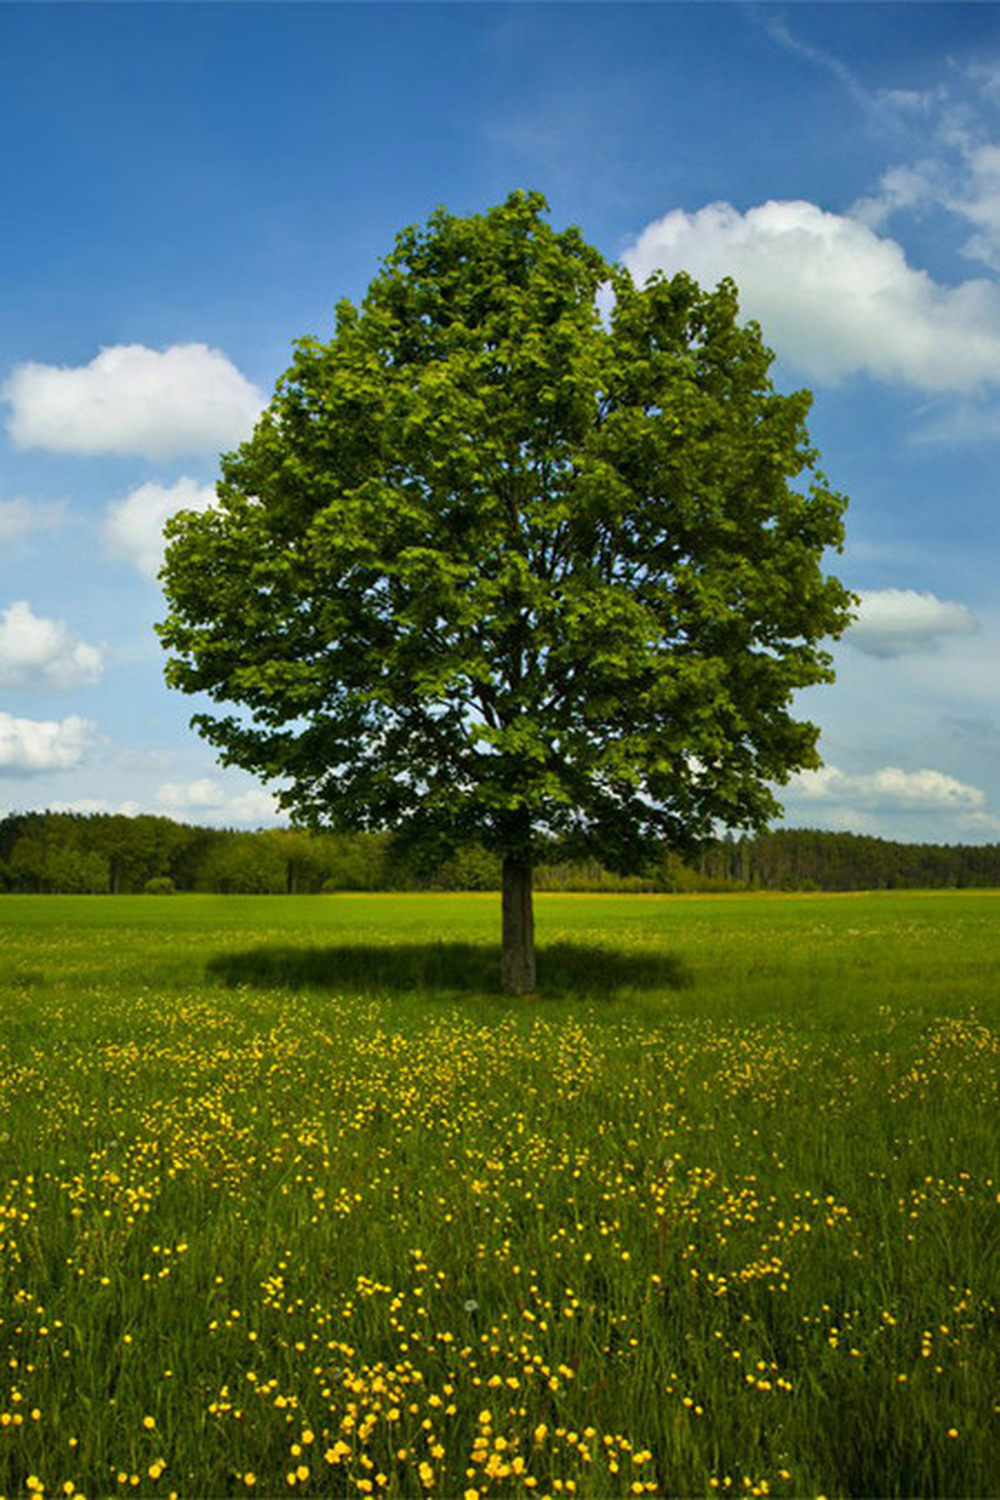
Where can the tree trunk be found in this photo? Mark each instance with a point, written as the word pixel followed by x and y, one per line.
pixel 517 966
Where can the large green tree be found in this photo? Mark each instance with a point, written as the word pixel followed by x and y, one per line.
pixel 494 567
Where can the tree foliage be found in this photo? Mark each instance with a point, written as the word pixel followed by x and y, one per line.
pixel 492 569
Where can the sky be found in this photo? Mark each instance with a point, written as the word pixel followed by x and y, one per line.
pixel 187 189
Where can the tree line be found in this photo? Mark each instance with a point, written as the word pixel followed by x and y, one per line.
pixel 106 853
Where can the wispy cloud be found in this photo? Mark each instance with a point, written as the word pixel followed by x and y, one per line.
pixel 20 518
pixel 956 167
pixel 777 28
pixel 893 111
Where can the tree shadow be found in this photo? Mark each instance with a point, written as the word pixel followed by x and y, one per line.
pixel 564 969
pixel 23 979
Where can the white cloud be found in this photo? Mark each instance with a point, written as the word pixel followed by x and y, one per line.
pixel 191 794
pixel 30 746
pixel 35 652
pixel 888 788
pixel 18 518
pixel 832 296
pixel 133 527
pixel 207 800
pixel 133 400
pixel 894 622
pixel 88 805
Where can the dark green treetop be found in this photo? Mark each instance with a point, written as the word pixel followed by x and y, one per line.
pixel 494 567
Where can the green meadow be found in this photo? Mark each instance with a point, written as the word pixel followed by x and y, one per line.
pixel 294 1202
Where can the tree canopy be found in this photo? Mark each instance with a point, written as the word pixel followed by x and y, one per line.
pixel 496 567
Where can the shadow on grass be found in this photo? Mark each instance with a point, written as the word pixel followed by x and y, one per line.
pixel 23 979
pixel 564 969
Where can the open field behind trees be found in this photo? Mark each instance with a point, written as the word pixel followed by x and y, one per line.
pixel 291 1201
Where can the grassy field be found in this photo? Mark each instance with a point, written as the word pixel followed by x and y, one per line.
pixel 293 1202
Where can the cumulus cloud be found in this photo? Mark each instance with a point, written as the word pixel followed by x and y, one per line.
pixel 133 400
pixel 208 801
pixel 18 518
pixel 31 746
pixel 36 652
pixel 133 527
pixel 832 296
pixel 888 789
pixel 895 622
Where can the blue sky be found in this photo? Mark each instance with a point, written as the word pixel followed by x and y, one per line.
pixel 188 188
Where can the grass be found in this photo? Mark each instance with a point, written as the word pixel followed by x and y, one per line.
pixel 293 1201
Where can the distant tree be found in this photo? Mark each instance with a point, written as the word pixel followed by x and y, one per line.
pixel 244 864
pixel 300 856
pixel 52 853
pixel 358 862
pixel 493 569
pixel 188 860
pixel 471 868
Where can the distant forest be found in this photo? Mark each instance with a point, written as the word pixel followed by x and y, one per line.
pixel 103 853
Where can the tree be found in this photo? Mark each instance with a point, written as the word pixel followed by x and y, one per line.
pixel 494 569
pixel 245 864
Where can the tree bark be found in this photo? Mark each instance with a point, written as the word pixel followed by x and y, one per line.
pixel 517 965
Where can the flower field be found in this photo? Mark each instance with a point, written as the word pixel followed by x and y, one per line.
pixel 293 1203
